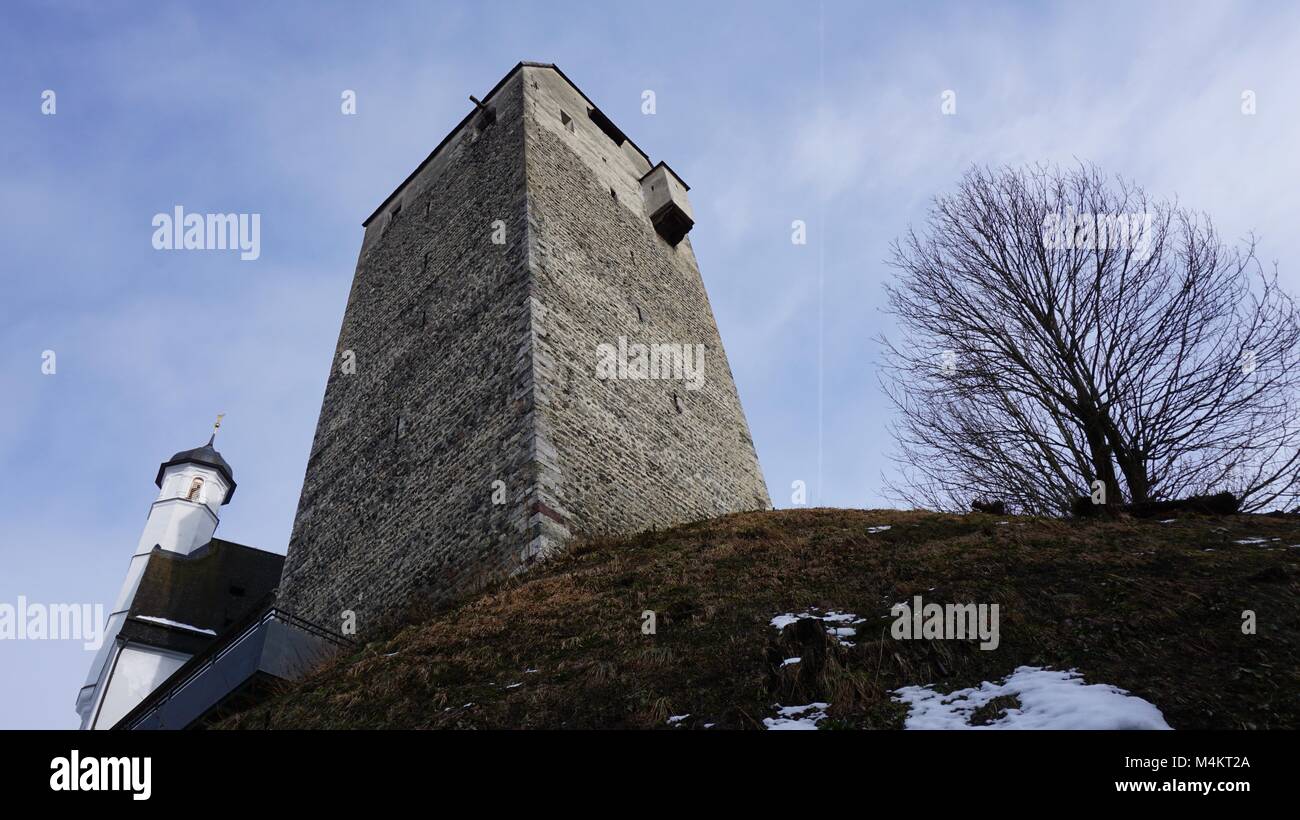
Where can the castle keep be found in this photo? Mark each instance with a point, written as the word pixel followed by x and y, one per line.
pixel 466 429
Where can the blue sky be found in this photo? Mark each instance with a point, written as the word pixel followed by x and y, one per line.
pixel 771 111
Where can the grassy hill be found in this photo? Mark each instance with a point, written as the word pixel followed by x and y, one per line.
pixel 1154 608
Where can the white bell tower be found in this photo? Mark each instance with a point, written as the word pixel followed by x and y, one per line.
pixel 192 486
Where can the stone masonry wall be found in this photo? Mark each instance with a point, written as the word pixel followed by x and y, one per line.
pixel 475 362
pixel 628 460
pixel 397 497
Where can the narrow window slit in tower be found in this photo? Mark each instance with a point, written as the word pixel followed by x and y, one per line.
pixel 566 121
pixel 677 404
pixel 196 486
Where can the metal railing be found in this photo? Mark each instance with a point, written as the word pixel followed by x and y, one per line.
pixel 230 641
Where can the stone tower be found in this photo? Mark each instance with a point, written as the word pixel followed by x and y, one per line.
pixel 519 363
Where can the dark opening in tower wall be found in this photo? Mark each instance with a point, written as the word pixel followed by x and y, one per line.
pixel 605 125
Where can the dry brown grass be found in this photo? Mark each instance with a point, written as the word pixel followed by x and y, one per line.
pixel 1153 608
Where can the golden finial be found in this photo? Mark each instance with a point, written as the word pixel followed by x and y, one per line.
pixel 215 428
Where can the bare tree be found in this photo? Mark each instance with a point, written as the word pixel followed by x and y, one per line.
pixel 1059 330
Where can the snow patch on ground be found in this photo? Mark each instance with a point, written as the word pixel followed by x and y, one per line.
pixel 834 617
pixel 789 661
pixel 676 719
pixel 797 717
pixel 782 621
pixel 1049 699
pixel 881 528
pixel 839 633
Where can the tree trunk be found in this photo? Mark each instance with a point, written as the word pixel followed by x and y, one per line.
pixel 1103 465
